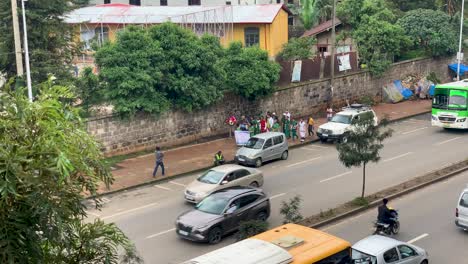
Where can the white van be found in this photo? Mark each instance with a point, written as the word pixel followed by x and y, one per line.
pixel 247 251
pixel 461 213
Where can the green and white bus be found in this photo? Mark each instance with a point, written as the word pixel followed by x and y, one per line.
pixel 449 105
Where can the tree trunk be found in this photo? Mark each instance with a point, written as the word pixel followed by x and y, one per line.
pixel 363 179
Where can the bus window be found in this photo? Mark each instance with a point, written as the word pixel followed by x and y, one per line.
pixel 457 100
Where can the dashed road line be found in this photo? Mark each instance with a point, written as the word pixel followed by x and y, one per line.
pixel 128 211
pixel 304 161
pixel 161 233
pixel 314 146
pixel 335 177
pixel 446 141
pixel 417 238
pixel 177 183
pixel 277 195
pixel 397 157
pixel 161 187
pixel 414 130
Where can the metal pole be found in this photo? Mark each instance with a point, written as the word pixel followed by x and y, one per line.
pixel 17 37
pixel 459 55
pixel 333 39
pixel 26 53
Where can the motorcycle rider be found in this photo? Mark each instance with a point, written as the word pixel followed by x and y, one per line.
pixel 386 214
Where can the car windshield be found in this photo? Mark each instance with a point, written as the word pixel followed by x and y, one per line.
pixel 344 119
pixel 213 204
pixel 254 143
pixel 452 99
pixel 211 177
pixel 362 258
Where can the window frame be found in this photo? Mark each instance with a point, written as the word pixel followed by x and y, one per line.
pixel 281 140
pixel 162 2
pixel 415 253
pixel 251 32
pixel 194 2
pixel 464 200
pixel 242 206
pixel 265 144
pixel 397 255
pixel 238 172
pixel 134 2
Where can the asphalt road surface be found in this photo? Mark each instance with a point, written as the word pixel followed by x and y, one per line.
pixel 147 214
pixel 427 220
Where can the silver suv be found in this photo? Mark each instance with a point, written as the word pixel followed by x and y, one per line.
pixel 340 125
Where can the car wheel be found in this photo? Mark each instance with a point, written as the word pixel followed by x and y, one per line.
pixel 396 228
pixel 425 262
pixel 258 162
pixel 262 216
pixel 344 139
pixel 285 155
pixel 254 184
pixel 323 140
pixel 214 236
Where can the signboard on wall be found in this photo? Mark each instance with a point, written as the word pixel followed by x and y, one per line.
pixel 241 137
pixel 296 75
pixel 343 62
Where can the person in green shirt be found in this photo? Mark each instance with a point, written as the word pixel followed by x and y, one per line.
pixel 294 129
pixel 287 128
pixel 276 127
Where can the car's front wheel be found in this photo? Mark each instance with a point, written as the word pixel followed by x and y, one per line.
pixel 262 216
pixel 258 162
pixel 215 235
pixel 285 154
pixel 323 140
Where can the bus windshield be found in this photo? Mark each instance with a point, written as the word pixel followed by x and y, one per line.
pixel 452 99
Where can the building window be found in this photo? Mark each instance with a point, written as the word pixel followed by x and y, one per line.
pixel 278 1
pixel 290 1
pixel 291 20
pixel 228 2
pixel 135 2
pixel 194 2
pixel 163 2
pixel 107 1
pixel 252 36
pixel 102 34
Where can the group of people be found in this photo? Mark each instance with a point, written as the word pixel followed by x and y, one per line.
pixel 272 123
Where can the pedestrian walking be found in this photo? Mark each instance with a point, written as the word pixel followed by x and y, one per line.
pixel 302 129
pixel 329 112
pixel 311 123
pixel 159 161
pixel 294 129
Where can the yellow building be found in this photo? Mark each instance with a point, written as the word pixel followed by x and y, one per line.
pixel 262 25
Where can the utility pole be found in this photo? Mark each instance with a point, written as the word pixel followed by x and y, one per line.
pixel 460 54
pixel 17 37
pixel 333 40
pixel 26 52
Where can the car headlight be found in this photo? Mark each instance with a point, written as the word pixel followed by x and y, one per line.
pixel 461 120
pixel 434 118
pixel 320 130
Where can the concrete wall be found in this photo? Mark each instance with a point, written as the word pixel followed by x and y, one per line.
pixel 175 128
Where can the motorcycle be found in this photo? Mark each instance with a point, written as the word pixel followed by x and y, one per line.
pixel 385 229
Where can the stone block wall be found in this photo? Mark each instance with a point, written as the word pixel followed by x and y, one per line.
pixel 121 136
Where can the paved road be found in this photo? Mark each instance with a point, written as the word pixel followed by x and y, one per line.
pixel 147 215
pixel 427 218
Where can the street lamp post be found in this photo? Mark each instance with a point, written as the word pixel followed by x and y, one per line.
pixel 26 53
pixel 459 54
pixel 332 64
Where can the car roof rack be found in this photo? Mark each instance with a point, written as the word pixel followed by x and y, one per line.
pixel 356 107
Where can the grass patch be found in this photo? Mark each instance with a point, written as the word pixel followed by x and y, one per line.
pixel 412 54
pixel 360 201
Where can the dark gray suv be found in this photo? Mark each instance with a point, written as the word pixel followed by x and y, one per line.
pixel 221 212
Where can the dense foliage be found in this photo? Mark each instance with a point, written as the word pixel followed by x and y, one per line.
pixel 363 145
pixel 48 38
pixel 315 12
pixel 167 66
pixel 298 49
pixel 47 162
pixel 433 30
pixel 250 73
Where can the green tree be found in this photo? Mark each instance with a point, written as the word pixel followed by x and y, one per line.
pixel 363 145
pixel 290 210
pixel 132 74
pixel 432 30
pixel 250 73
pixel 298 49
pixel 88 89
pixel 49 42
pixel 316 11
pixel 251 228
pixel 405 5
pixel 47 162
pixel 192 76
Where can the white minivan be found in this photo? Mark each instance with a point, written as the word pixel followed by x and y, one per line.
pixel 461 213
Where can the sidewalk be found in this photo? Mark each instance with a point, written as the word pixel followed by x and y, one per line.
pixel 137 171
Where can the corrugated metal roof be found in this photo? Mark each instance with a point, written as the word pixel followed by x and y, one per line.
pixel 321 28
pixel 129 14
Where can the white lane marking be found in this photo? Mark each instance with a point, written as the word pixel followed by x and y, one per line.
pixel 161 187
pixel 176 183
pixel 446 141
pixel 160 233
pixel 105 200
pixel 314 146
pixel 128 211
pixel 93 214
pixel 414 130
pixel 304 161
pixel 399 156
pixel 417 238
pixel 277 195
pixel 337 176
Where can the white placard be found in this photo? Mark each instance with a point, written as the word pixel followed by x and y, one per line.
pixel 241 137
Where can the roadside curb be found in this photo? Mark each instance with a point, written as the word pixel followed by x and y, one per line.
pixel 376 203
pixel 181 175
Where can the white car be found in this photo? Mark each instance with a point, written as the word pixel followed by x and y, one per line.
pixel 461 213
pixel 338 127
pixel 222 177
pixel 381 250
